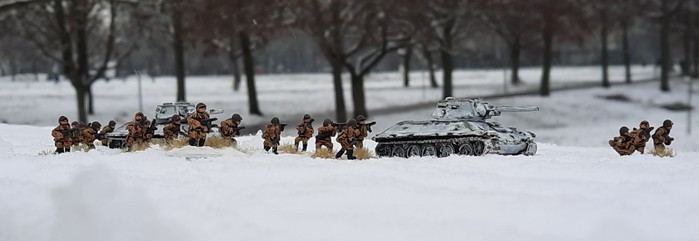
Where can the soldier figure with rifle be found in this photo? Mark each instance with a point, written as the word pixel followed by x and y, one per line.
pixel 137 130
pixel 641 135
pixel 199 124
pixel 272 135
pixel 89 134
pixel 231 128
pixel 364 130
pixel 348 139
pixel 661 137
pixel 325 132
pixel 62 135
pixel 172 130
pixel 305 131
pixel 106 130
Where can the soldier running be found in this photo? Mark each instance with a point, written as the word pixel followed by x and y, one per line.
pixel 661 137
pixel 61 136
pixel 172 130
pixel 305 131
pixel 623 144
pixel 364 129
pixel 272 135
pixel 137 130
pixel 197 129
pixel 348 139
pixel 325 133
pixel 89 134
pixel 106 130
pixel 641 135
pixel 231 128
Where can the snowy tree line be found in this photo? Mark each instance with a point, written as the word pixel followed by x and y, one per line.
pixel 85 38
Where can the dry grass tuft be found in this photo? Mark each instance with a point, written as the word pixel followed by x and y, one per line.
pixel 288 148
pixel 140 147
pixel 47 152
pixel 218 142
pixel 324 153
pixel 667 152
pixel 363 153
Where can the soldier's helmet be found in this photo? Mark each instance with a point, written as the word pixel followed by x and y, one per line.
pixel 667 123
pixel 139 114
pixel 327 122
pixel 74 123
pixel 112 123
pixel 645 122
pixel 306 116
pixel 352 123
pixel 62 118
pixel 361 118
pixel 201 105
pixel 95 125
pixel 236 117
pixel 275 121
pixel 623 130
pixel 176 118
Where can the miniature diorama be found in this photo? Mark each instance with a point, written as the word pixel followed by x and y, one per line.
pixel 459 127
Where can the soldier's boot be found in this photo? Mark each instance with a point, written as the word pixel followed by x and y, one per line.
pixel 201 142
pixel 305 146
pixel 59 150
pixel 192 142
pixel 350 155
pixel 67 149
pixel 266 148
pixel 339 153
pixel 274 150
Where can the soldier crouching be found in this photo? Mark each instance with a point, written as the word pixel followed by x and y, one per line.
pixel 325 133
pixel 137 131
pixel 197 130
pixel 172 130
pixel 272 135
pixel 305 131
pixel 348 139
pixel 641 135
pixel 661 137
pixel 231 128
pixel 106 130
pixel 61 136
pixel 89 134
pixel 623 144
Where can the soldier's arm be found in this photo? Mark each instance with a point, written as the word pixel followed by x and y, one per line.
pixel 57 134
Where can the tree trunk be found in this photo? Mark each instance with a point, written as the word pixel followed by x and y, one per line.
pixel 80 93
pixel 665 53
pixel 447 64
pixel 90 101
pixel 358 98
pixel 626 52
pixel 249 68
pixel 340 109
pixel 515 50
pixel 235 68
pixel 545 89
pixel 406 66
pixel 178 45
pixel 605 56
pixel 686 40
pixel 430 68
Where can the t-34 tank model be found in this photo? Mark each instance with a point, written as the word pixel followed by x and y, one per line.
pixel 459 127
pixel 163 116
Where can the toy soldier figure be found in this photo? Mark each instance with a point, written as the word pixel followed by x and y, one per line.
pixel 641 135
pixel 348 139
pixel 198 126
pixel 623 144
pixel 364 129
pixel 61 135
pixel 150 129
pixel 89 134
pixel 325 132
pixel 272 135
pixel 75 135
pixel 172 129
pixel 661 137
pixel 305 131
pixel 231 128
pixel 137 130
pixel 106 130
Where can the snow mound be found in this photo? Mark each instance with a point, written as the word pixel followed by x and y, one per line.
pixel 203 152
pixel 5 149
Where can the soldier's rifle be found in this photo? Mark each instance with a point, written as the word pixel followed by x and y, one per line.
pixel 207 122
pixel 72 132
pixel 368 126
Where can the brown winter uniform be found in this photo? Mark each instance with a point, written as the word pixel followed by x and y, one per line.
pixel 659 138
pixel 171 131
pixel 196 129
pixel 345 137
pixel 61 141
pixel 88 136
pixel 623 145
pixel 228 130
pixel 363 132
pixel 305 131
pixel 103 132
pixel 77 137
pixel 137 133
pixel 327 142
pixel 271 135
pixel 639 140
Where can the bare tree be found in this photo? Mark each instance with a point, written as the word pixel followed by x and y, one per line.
pixel 663 12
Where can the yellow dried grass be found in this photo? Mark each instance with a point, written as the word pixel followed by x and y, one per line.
pixel 665 152
pixel 288 148
pixel 323 153
pixel 363 153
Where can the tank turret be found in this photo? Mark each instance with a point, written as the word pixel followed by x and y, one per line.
pixel 459 127
pixel 472 109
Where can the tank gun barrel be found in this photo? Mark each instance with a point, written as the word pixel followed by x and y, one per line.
pixel 516 108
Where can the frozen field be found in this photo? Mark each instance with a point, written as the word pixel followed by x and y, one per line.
pixel 575 188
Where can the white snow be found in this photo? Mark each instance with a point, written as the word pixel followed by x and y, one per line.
pixel 575 188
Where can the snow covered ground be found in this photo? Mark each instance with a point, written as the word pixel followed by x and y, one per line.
pixel 575 188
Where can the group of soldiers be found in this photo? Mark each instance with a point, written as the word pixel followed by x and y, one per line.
pixel 629 142
pixel 351 134
pixel 67 136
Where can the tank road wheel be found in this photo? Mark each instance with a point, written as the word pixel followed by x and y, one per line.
pixel 531 149
pixel 428 150
pixel 413 150
pixel 398 151
pixel 466 149
pixel 478 148
pixel 445 150
pixel 383 150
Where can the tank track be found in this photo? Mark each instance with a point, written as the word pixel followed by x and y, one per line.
pixel 488 146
